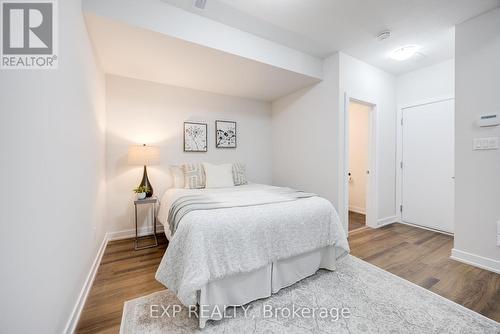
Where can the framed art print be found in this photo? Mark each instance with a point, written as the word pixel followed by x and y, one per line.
pixel 195 137
pixel 225 134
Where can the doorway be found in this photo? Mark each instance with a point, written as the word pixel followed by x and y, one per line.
pixel 358 160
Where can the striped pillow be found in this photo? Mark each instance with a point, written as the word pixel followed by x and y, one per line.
pixel 194 176
pixel 239 174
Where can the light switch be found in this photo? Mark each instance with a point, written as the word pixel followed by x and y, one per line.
pixel 476 144
pixel 485 143
pixel 493 143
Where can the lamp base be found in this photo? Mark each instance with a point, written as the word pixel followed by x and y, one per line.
pixel 145 183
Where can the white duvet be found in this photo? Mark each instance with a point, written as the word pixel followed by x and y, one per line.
pixel 213 244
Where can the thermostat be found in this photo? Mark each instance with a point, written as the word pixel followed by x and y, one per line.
pixel 489 120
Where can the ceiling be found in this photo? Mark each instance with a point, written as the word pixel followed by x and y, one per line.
pixel 322 27
pixel 134 52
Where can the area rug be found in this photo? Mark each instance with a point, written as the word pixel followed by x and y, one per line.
pixel 356 298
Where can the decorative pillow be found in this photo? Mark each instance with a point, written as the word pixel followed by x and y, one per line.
pixel 239 174
pixel 218 176
pixel 177 176
pixel 194 176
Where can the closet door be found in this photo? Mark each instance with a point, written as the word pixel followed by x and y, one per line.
pixel 428 165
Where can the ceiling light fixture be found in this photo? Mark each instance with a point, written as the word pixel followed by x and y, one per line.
pixel 404 53
pixel 383 35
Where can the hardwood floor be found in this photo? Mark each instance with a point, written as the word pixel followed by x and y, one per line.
pixel 356 220
pixel 422 257
pixel 417 255
pixel 124 274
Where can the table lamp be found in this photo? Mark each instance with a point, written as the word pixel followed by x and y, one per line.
pixel 144 156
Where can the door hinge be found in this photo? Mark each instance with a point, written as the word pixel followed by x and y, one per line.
pixel 401 208
pixel 401 121
pixel 401 165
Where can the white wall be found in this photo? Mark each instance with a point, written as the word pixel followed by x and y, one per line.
pixel 477 172
pixel 428 84
pixel 436 81
pixel 367 83
pixel 359 140
pixel 52 170
pixel 305 139
pixel 143 112
pixel 308 133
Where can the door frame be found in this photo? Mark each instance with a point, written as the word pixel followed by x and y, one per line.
pixel 399 150
pixel 372 186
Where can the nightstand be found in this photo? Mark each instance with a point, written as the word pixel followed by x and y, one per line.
pixel 152 202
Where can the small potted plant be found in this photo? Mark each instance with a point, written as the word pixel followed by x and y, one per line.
pixel 141 192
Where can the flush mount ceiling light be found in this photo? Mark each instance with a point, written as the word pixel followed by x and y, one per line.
pixel 383 35
pixel 404 53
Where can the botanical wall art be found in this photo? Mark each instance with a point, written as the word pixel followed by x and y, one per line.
pixel 195 137
pixel 225 132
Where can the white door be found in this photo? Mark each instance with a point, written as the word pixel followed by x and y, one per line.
pixel 428 165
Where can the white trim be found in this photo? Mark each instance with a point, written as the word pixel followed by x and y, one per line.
pixel 426 228
pixel 395 219
pixel 371 192
pixel 126 234
pixel 387 221
pixel 475 260
pixel 399 146
pixel 427 101
pixel 357 209
pixel 82 297
pixel 343 180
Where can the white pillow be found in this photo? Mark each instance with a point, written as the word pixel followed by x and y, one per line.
pixel 177 176
pixel 218 176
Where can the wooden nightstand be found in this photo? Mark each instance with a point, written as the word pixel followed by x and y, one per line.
pixel 153 201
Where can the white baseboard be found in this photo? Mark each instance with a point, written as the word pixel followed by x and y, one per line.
pixel 387 221
pixel 82 297
pixel 125 234
pixel 87 285
pixel 357 209
pixel 426 228
pixel 476 260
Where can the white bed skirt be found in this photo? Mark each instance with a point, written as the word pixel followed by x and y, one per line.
pixel 241 289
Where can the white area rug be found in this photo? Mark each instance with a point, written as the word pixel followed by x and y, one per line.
pixel 377 301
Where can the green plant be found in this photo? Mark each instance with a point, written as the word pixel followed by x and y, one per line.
pixel 141 189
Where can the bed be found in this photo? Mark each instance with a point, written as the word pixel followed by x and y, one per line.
pixel 230 246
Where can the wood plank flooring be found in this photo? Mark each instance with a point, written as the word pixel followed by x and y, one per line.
pixel 422 257
pixel 417 255
pixel 124 274
pixel 356 220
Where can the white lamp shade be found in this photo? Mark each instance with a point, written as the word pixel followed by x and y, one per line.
pixel 143 155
